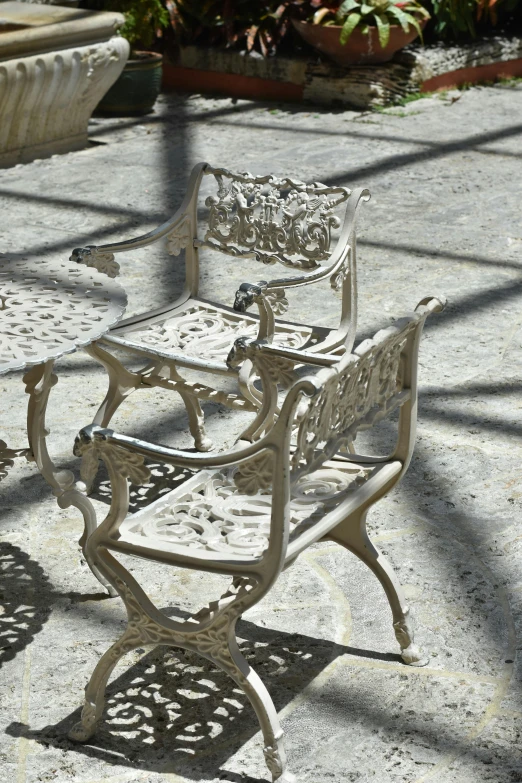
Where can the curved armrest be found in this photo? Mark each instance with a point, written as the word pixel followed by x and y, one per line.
pixel 433 304
pixel 274 290
pixel 132 244
pixel 126 454
pixel 113 445
pixel 259 350
pixel 102 256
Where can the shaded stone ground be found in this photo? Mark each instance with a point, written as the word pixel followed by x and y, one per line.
pixel 445 216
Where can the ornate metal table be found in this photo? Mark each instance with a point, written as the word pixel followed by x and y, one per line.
pixel 48 309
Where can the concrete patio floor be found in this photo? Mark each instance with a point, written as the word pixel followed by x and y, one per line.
pixel 445 174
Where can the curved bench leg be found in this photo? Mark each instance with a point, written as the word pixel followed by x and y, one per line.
pixel 213 638
pixel 122 382
pixel 95 690
pixel 196 419
pixel 352 535
pixel 73 497
pixel 247 679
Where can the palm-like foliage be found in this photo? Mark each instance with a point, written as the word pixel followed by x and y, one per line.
pixel 265 24
pixel 143 18
pixel 362 14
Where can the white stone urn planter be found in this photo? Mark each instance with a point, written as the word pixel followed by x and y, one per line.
pixel 55 65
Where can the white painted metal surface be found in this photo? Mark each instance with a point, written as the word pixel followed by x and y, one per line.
pixel 46 311
pixel 50 309
pixel 275 221
pixel 249 512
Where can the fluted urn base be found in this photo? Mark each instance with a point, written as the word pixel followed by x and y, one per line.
pixel 46 100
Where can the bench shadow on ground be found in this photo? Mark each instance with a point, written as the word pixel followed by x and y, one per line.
pixel 23 613
pixel 173 709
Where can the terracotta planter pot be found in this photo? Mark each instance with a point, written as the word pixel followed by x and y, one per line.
pixel 136 90
pixel 360 49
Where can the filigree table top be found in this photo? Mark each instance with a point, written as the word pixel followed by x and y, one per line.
pixel 48 309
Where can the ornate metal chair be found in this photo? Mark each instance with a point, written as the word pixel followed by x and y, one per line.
pixel 249 512
pixel 270 220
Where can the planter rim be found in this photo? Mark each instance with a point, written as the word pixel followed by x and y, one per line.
pixel 297 22
pixel 362 48
pixel 152 61
pixel 146 58
pixel 146 54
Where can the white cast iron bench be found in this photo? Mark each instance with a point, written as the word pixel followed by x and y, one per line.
pixel 259 218
pixel 250 511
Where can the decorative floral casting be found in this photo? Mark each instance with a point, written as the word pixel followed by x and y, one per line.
pixel 275 220
pixel 277 301
pixel 214 516
pixel 91 256
pixel 209 333
pixel 278 369
pixel 364 390
pixel 209 638
pixel 338 278
pixel 179 238
pixel 127 463
pixel 256 474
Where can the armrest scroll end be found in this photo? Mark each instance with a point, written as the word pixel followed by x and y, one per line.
pixel 98 259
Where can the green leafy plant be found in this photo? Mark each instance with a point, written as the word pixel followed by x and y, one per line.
pixel 362 14
pixel 458 18
pixel 252 24
pixel 265 25
pixel 143 20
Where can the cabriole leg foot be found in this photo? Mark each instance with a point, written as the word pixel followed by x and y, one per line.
pixel 410 653
pixel 353 536
pixel 86 726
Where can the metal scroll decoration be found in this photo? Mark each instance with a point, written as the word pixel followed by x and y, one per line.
pixel 365 390
pixel 274 220
pixel 214 516
pixel 206 331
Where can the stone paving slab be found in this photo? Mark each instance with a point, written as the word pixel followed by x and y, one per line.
pixel 445 216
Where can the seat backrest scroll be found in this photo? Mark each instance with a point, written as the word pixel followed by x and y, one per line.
pixel 274 220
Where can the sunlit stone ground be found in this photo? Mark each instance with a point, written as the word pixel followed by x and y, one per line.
pixel 445 175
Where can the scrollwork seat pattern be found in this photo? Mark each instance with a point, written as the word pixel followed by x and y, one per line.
pixel 209 513
pixel 48 309
pixel 208 332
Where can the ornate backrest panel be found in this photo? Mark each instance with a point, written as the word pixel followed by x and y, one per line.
pixel 359 391
pixel 273 220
